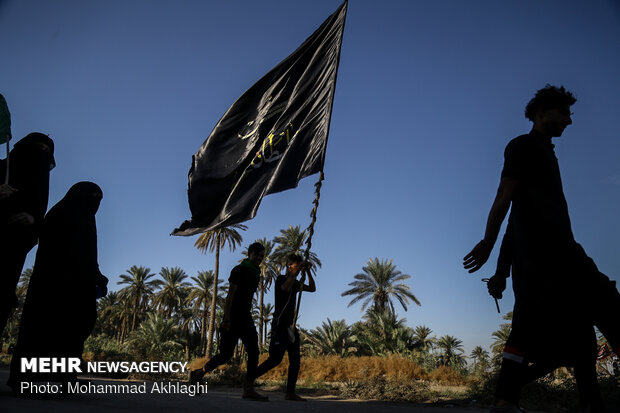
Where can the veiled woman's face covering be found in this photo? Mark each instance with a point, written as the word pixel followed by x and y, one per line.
pixel 84 197
pixel 38 148
pixel 95 201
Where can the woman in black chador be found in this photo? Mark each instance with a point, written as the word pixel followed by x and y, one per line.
pixel 60 308
pixel 23 202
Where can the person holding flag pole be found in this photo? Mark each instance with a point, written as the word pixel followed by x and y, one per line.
pixel 284 334
pixel 273 135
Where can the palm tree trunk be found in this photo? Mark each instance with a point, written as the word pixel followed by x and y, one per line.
pixel 121 334
pixel 203 330
pixel 135 312
pixel 187 338
pixel 214 296
pixel 260 317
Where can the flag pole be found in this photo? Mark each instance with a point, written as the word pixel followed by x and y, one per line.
pixel 321 174
pixel 310 230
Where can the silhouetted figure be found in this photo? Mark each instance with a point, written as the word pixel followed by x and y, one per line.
pixel 238 323
pixel 601 306
pixel 603 298
pixel 60 308
pixel 23 203
pixel 284 334
pixel 552 276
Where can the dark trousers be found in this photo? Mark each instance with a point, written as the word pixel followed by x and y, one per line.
pixel 281 343
pixel 245 331
pixel 514 375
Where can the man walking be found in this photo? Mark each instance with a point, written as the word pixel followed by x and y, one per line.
pixel 552 322
pixel 284 334
pixel 238 323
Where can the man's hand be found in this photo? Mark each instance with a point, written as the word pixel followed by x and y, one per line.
pixel 477 256
pixel 22 219
pixel 496 286
pixel 6 191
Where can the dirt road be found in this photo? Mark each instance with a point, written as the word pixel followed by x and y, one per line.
pixel 154 398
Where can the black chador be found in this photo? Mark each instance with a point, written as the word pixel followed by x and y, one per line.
pixel 22 210
pixel 60 308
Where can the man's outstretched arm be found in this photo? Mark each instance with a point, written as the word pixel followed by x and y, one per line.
pixel 497 283
pixel 480 253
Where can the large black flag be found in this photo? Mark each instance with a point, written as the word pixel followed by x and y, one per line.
pixel 273 135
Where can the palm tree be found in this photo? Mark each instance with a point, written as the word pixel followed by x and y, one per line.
pixel 501 336
pixel 382 333
pixel 126 311
pixel 216 240
pixel 331 338
pixel 266 319
pixel 380 283
pixel 452 349
pixel 155 337
pixel 173 290
pixel 109 314
pixel 138 289
pixel 422 338
pixel 423 344
pixel 481 359
pixel 22 287
pixel 200 295
pixel 291 241
pixel 269 272
pixel 187 320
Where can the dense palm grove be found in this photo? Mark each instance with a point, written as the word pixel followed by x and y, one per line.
pixel 170 315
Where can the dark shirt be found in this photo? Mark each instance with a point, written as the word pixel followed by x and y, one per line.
pixel 504 260
pixel 246 277
pixel 539 219
pixel 547 263
pixel 285 302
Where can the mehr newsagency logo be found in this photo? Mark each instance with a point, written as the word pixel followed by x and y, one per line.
pixel 75 365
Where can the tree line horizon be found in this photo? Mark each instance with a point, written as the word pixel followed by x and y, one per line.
pixel 169 315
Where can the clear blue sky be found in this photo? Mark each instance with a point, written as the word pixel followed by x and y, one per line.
pixel 428 95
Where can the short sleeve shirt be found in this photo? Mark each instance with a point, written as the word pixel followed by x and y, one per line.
pixel 246 277
pixel 285 302
pixel 539 217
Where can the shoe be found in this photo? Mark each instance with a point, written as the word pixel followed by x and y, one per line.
pixel 253 395
pixel 294 397
pixel 195 376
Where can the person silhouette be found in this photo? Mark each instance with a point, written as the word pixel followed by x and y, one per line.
pixel 60 308
pixel 552 324
pixel 23 202
pixel 284 335
pixel 238 322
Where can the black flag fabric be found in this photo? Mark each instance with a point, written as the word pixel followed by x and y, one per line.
pixel 274 135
